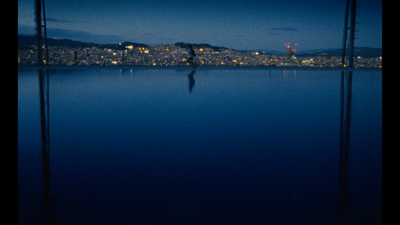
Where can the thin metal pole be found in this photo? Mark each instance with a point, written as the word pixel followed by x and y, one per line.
pixel 352 31
pixel 346 21
pixel 45 34
pixel 39 31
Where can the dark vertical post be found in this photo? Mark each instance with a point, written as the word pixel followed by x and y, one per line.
pixel 344 44
pixel 38 12
pixel 45 34
pixel 352 31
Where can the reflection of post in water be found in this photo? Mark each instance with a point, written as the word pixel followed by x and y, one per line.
pixel 45 126
pixel 191 79
pixel 345 116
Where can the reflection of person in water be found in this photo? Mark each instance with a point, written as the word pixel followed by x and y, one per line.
pixel 191 80
pixel 191 55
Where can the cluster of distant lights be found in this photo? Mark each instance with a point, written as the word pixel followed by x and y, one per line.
pixel 145 50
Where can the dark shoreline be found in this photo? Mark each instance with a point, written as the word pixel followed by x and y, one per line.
pixel 198 67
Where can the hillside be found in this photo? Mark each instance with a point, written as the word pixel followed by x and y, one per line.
pixel 27 41
pixel 358 51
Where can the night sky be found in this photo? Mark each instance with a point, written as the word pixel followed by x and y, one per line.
pixel 238 24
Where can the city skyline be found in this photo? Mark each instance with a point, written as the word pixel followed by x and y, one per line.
pixel 242 25
pixel 66 52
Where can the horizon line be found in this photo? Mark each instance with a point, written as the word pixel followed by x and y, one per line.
pixel 204 43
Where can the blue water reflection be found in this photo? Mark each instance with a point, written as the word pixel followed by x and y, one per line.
pixel 213 146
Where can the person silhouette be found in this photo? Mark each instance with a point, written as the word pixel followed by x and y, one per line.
pixel 192 54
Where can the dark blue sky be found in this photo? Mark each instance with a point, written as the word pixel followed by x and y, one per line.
pixel 238 24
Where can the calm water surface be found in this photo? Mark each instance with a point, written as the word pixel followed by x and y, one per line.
pixel 220 146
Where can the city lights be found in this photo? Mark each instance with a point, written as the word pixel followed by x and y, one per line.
pixel 175 55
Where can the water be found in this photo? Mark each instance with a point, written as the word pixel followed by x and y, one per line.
pixel 229 146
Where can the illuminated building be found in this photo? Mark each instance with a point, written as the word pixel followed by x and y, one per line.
pixel 306 62
pixel 73 56
pixel 289 52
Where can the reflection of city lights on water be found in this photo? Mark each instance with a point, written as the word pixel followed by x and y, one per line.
pixel 286 73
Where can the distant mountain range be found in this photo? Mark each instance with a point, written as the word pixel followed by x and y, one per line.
pixel 26 42
pixel 358 51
